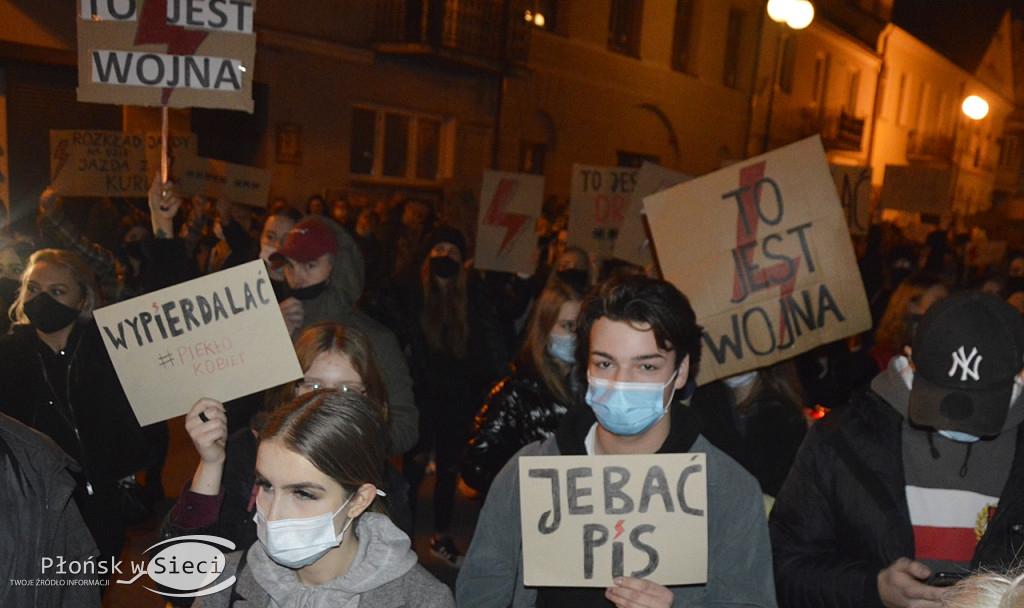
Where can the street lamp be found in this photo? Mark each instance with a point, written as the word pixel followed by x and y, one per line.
pixel 795 15
pixel 975 108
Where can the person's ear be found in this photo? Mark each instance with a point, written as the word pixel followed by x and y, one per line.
pixel 684 372
pixel 362 500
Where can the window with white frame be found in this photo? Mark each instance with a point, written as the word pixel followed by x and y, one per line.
pixel 400 145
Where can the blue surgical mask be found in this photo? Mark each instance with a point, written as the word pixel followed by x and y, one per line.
pixel 562 347
pixel 627 408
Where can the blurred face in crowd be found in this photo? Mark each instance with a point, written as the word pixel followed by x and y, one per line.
pixel 11 266
pixel 57 281
pixel 446 249
pixel 1016 267
pixel 364 225
pixel 307 274
pixel 331 370
pixel 566 323
pixel 274 231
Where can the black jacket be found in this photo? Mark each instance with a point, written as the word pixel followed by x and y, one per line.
pixel 78 402
pixel 842 515
pixel 519 410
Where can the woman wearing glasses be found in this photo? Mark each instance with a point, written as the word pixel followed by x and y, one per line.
pixel 219 500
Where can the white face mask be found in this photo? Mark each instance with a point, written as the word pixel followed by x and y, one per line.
pixel 298 542
pixel 740 380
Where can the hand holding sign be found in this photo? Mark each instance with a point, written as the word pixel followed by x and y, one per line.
pixel 631 592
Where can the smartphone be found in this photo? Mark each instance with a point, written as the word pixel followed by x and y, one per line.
pixel 944 579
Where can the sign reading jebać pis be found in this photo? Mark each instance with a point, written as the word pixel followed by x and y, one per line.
pixel 220 336
pixel 588 519
pixel 763 252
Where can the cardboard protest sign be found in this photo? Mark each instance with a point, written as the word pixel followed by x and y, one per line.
pixel 854 185
pixel 510 204
pixel 221 336
pixel 223 180
pixel 916 189
pixel 986 253
pixel 589 519
pixel 109 163
pixel 766 260
pixel 176 53
pixel 633 244
pixel 597 208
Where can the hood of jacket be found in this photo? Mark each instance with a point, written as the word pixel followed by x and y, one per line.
pixel 384 554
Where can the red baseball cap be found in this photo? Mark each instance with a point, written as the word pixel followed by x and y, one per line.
pixel 307 241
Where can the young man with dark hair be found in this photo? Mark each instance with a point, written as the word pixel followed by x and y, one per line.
pixel 638 345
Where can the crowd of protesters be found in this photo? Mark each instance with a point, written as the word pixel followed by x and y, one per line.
pixel 415 361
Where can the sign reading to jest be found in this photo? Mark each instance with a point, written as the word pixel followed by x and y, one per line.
pixel 510 204
pixel 766 260
pixel 176 53
pixel 589 519
pixel 597 209
pixel 221 336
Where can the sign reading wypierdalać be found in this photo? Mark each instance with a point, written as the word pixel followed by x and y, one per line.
pixel 854 186
pixel 176 53
pixel 588 519
pixel 634 243
pixel 763 251
pixel 510 204
pixel 223 180
pixel 220 336
pixel 110 163
pixel 597 208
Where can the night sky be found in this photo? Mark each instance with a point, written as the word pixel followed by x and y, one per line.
pixel 959 29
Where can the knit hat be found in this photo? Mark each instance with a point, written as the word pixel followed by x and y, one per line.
pixel 966 353
pixel 445 234
pixel 305 242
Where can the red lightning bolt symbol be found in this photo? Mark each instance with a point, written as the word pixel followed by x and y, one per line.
pixel 619 529
pixel 496 215
pixel 153 29
pixel 61 154
pixel 745 235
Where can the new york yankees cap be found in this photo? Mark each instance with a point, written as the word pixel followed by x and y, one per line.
pixel 966 353
pixel 308 240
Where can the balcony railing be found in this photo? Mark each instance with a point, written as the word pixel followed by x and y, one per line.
pixel 929 146
pixel 478 32
pixel 839 130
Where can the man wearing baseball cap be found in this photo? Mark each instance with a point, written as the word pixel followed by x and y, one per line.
pixel 917 481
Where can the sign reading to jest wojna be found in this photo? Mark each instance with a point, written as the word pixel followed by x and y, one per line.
pixel 588 519
pixel 221 336
pixel 176 53
pixel 763 251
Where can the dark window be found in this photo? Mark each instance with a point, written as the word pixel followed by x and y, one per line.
pixel 733 39
pixel 363 141
pixel 396 145
pixel 682 41
pixel 624 26
pixel 634 159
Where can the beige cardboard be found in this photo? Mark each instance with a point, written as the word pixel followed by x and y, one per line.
pixel 109 163
pixel 634 243
pixel 597 209
pixel 916 189
pixel 207 65
pixel 510 204
pixel 235 344
pixel 223 180
pixel 737 274
pixel 854 185
pixel 576 544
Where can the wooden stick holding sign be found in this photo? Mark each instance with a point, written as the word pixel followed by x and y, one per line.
pixel 219 336
pixel 589 519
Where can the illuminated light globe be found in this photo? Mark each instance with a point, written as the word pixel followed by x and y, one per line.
pixel 975 107
pixel 779 10
pixel 800 15
pixel 538 20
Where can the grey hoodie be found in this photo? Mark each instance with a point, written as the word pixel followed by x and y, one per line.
pixel 384 574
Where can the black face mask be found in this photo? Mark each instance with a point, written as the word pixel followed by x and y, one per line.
pixel 48 315
pixel 281 290
pixel 8 291
pixel 307 293
pixel 444 267
pixel 575 278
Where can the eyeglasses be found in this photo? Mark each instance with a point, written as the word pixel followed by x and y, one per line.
pixel 303 387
